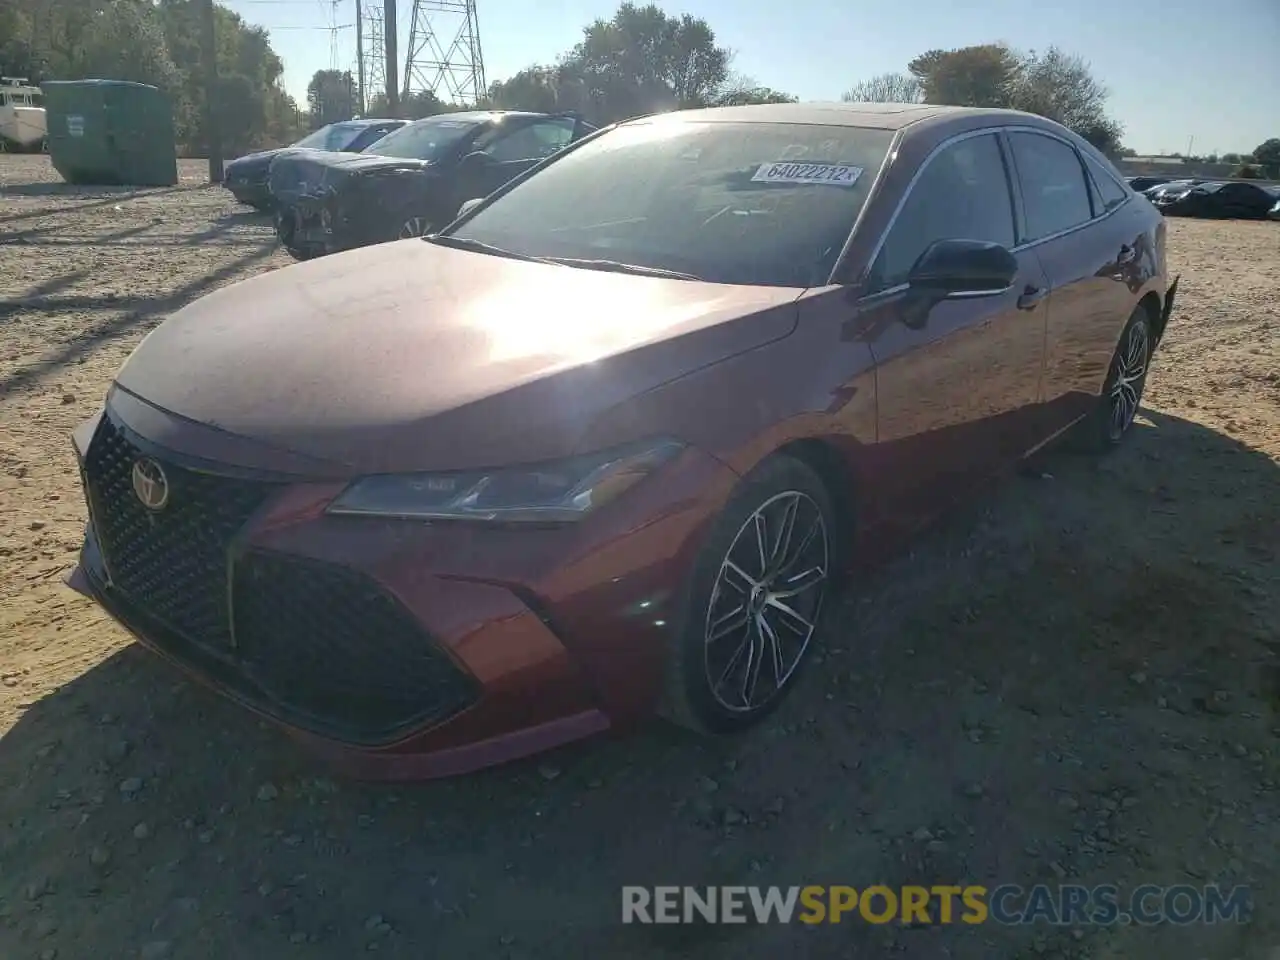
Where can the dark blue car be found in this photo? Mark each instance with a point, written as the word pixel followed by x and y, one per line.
pixel 247 179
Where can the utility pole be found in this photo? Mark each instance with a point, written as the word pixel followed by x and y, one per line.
pixel 209 54
pixel 391 35
pixel 360 101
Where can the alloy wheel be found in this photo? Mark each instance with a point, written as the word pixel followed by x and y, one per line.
pixel 1131 371
pixel 415 227
pixel 765 602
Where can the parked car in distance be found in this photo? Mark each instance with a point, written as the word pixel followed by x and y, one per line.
pixel 1237 200
pixel 246 177
pixel 607 444
pixel 1139 184
pixel 410 182
pixel 1170 187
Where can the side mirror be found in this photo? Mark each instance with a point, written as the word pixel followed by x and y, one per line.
pixel 469 205
pixel 950 268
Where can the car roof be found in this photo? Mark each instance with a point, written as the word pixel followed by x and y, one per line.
pixel 480 116
pixel 882 116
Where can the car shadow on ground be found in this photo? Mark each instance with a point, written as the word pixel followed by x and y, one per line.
pixel 88 197
pixel 1024 697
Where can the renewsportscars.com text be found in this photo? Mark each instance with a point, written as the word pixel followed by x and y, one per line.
pixel 1063 904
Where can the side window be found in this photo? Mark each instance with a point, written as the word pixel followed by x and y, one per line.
pixel 962 194
pixel 1109 190
pixel 532 141
pixel 1054 191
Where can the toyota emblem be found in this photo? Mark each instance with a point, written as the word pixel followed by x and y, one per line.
pixel 150 484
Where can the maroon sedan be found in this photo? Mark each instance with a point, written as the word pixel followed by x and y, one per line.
pixel 605 445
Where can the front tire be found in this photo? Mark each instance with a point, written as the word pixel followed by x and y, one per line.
pixel 1110 422
pixel 754 602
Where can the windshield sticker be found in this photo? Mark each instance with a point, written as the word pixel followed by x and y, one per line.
pixel 830 174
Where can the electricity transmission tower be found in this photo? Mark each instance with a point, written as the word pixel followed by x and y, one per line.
pixel 444 51
pixel 371 55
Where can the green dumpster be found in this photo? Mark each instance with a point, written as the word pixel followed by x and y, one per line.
pixel 110 132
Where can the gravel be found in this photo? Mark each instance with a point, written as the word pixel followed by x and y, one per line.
pixel 1072 679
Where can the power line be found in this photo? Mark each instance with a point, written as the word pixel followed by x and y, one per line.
pixel 340 26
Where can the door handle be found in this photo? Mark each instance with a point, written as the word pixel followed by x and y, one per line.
pixel 1127 255
pixel 1031 296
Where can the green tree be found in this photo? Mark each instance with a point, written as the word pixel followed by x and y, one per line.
pixel 331 96
pixel 156 42
pixel 978 76
pixel 1267 155
pixel 644 61
pixel 413 106
pixel 534 88
pixel 1060 86
pixel 1053 84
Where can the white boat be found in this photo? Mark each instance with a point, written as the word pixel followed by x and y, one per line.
pixel 22 118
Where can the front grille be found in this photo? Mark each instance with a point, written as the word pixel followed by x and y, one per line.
pixel 338 654
pixel 172 562
pixel 315 644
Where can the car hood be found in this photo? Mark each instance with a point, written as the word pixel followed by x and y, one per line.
pixel 411 356
pixel 252 159
pixel 313 172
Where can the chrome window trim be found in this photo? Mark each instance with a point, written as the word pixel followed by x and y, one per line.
pixel 911 185
pixel 877 185
pixel 1026 128
pixel 1002 129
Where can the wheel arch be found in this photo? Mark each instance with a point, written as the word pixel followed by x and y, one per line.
pixel 834 470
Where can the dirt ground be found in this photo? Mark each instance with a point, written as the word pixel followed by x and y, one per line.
pixel 1073 680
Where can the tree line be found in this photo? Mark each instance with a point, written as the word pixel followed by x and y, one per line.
pixel 156 42
pixel 641 60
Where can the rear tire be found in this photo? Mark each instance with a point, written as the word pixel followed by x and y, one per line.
pixel 754 602
pixel 1106 427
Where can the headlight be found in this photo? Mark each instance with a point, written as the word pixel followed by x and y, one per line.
pixel 553 492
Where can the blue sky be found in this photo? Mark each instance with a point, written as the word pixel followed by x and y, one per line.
pixel 1177 70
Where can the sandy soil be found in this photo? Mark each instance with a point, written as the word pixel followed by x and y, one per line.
pixel 1074 679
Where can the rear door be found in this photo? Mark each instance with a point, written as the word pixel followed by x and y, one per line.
pixel 1089 240
pixel 955 393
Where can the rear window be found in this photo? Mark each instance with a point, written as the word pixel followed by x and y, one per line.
pixel 749 203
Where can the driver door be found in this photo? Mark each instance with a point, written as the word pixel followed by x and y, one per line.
pixel 956 389
pixel 508 149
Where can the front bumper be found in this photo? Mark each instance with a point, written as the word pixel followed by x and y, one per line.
pixel 253 192
pixel 396 650
pixel 305 225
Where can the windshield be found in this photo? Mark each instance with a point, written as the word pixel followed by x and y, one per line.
pixel 426 139
pixel 750 203
pixel 333 137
